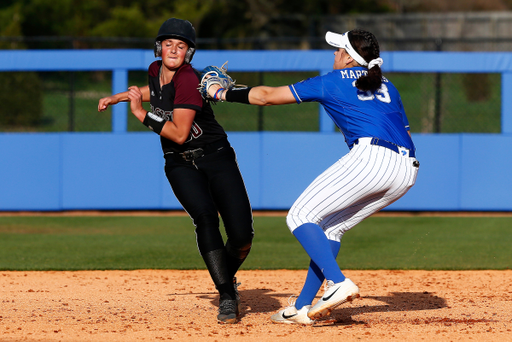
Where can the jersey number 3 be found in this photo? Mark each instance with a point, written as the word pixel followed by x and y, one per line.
pixel 382 94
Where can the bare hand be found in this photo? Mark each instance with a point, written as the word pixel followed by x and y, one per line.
pixel 105 102
pixel 135 98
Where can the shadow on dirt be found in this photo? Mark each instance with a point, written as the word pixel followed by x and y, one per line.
pixel 267 301
pixel 395 302
pixel 253 301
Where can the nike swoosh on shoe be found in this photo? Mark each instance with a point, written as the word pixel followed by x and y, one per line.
pixel 285 316
pixel 329 297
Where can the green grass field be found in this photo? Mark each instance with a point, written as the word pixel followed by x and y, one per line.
pixel 114 242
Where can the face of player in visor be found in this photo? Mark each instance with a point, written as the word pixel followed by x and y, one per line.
pixel 173 53
pixel 343 60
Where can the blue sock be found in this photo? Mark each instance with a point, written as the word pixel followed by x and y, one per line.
pixel 316 244
pixel 314 280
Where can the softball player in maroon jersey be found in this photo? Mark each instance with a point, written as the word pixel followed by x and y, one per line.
pixel 200 164
pixel 379 169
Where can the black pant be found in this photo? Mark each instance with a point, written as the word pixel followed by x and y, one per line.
pixel 208 186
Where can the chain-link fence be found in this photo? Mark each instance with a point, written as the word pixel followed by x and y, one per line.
pixel 67 101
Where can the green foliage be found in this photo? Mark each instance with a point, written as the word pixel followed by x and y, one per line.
pixel 477 87
pixel 124 22
pixel 105 18
pixel 51 18
pixel 213 18
pixel 21 98
pixel 88 243
pixel 10 20
pixel 128 22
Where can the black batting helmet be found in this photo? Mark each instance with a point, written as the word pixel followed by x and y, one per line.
pixel 180 29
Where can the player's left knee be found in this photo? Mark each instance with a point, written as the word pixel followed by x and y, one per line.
pixel 238 251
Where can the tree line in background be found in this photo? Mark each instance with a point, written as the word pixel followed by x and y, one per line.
pixel 212 18
pixel 127 18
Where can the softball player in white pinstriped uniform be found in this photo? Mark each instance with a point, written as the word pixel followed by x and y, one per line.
pixel 379 169
pixel 361 183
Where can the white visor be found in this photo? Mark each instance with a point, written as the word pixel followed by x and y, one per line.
pixel 341 41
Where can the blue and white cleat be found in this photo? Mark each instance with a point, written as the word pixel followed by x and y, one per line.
pixel 335 294
pixel 291 315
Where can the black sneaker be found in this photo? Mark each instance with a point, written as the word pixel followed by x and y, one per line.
pixel 228 311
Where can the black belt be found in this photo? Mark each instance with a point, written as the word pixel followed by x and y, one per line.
pixel 193 154
pixel 390 145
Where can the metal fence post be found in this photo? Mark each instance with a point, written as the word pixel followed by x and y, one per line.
pixel 119 111
pixel 506 103
pixel 438 93
pixel 71 111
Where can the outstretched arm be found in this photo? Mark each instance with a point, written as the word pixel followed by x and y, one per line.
pixel 268 96
pixel 260 96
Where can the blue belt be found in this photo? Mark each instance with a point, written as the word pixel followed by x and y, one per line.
pixel 390 145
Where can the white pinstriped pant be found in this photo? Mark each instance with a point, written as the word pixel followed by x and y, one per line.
pixel 364 181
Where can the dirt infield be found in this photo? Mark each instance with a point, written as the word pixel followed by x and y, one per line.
pixel 156 305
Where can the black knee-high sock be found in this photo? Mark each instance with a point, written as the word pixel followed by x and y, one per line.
pixel 217 264
pixel 236 257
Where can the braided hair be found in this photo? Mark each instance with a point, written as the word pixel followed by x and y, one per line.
pixel 367 46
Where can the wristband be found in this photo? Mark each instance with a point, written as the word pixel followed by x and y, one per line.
pixel 216 93
pixel 240 95
pixel 153 122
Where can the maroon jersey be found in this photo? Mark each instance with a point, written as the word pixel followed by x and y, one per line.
pixel 182 93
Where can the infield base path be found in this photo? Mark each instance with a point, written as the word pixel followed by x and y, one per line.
pixel 159 305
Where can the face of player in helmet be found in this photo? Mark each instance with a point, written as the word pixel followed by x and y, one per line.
pixel 173 53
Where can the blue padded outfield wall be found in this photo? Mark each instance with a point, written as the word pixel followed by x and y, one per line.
pixel 123 170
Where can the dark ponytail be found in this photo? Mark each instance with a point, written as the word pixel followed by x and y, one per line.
pixel 367 46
